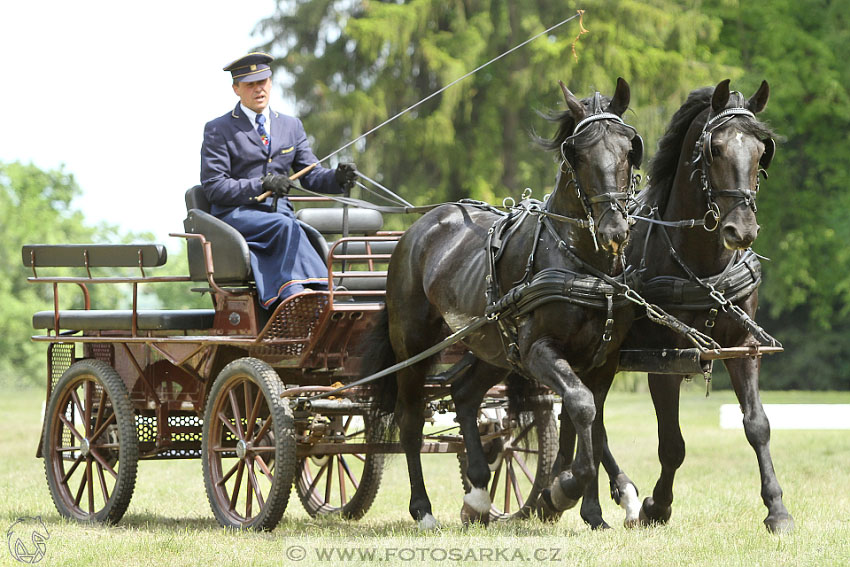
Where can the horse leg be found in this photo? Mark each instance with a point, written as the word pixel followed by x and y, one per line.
pixel 546 364
pixel 744 374
pixel 623 490
pixel 664 390
pixel 410 414
pixel 467 394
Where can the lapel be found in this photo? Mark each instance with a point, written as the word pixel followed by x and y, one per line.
pixel 241 122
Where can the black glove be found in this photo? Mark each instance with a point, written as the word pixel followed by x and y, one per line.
pixel 346 175
pixel 278 184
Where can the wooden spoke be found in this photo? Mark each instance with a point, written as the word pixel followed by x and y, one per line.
pixel 66 449
pixel 87 424
pixel 101 404
pixel 495 483
pixel 313 484
pixel 515 484
pixel 90 481
pixel 71 427
pixel 72 469
pixel 237 418
pixel 229 474
pixel 226 422
pixel 341 476
pixel 103 426
pixel 255 484
pixel 348 471
pixel 329 481
pixel 508 475
pixel 80 489
pixel 519 461
pixel 264 429
pixel 76 399
pixel 264 467
pixel 96 456
pixel 234 497
pixel 102 479
pixel 255 411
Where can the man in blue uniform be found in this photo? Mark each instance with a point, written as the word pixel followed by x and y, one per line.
pixel 249 151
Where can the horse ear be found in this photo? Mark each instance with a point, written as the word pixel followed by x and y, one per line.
pixel 622 95
pixel 720 96
pixel 758 101
pixel 575 106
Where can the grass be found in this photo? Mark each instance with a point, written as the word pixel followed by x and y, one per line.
pixel 716 519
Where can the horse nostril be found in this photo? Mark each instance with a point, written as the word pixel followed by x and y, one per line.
pixel 730 234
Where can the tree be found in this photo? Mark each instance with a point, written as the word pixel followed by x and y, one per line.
pixel 352 65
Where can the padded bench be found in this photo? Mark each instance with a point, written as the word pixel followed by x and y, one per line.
pixel 122 320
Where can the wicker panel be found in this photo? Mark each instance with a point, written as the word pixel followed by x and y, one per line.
pixel 294 323
pixel 60 357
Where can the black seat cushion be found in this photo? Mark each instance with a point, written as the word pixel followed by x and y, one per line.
pixel 122 319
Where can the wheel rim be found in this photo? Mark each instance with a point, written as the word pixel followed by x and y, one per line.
pixel 84 447
pixel 241 450
pixel 327 483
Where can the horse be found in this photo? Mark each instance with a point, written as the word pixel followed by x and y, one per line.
pixel 701 202
pixel 447 271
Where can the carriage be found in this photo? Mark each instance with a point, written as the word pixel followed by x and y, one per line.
pixel 241 393
pixel 268 402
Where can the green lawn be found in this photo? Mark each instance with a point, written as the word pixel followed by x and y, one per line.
pixel 716 519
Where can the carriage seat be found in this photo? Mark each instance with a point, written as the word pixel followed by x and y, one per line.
pixel 231 258
pixel 93 256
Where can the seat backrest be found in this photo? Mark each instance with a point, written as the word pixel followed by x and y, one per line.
pixel 231 258
pixel 196 199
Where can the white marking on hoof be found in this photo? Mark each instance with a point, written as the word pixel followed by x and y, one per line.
pixel 560 500
pixel 478 500
pixel 630 502
pixel 428 523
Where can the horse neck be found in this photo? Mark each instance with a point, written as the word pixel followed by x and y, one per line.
pixel 564 201
pixel 701 250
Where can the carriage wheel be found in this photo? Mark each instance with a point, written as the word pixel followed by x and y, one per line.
pixel 248 446
pixel 92 450
pixel 521 454
pixel 344 484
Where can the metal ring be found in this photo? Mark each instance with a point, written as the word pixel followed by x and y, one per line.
pixel 506 200
pixel 714 212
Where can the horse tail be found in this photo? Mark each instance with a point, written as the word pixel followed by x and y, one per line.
pixel 377 355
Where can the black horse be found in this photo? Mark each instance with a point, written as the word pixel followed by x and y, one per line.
pixel 693 259
pixel 448 268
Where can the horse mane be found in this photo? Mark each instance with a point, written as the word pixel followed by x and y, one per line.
pixel 566 125
pixel 665 162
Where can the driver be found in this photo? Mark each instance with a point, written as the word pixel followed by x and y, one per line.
pixel 251 150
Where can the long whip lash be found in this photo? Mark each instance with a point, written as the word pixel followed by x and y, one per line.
pixel 435 93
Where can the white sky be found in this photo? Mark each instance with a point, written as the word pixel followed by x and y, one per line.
pixel 119 92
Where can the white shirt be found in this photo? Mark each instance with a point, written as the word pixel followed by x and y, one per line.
pixel 252 116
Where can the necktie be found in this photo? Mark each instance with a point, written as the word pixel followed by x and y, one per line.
pixel 261 130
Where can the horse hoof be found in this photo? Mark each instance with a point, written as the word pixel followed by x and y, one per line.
pixel 781 524
pixel 629 501
pixel 651 516
pixel 544 509
pixel 603 526
pixel 560 501
pixel 428 523
pixel 476 507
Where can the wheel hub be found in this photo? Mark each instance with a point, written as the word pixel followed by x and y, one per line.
pixel 85 447
pixel 241 449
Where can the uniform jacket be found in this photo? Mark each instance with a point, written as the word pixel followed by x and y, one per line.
pixel 233 159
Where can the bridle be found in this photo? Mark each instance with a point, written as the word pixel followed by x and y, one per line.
pixel 703 157
pixel 617 200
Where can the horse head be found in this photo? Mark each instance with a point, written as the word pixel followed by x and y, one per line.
pixel 732 148
pixel 599 150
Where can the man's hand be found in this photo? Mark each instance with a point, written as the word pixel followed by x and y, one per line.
pixel 346 175
pixel 278 184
